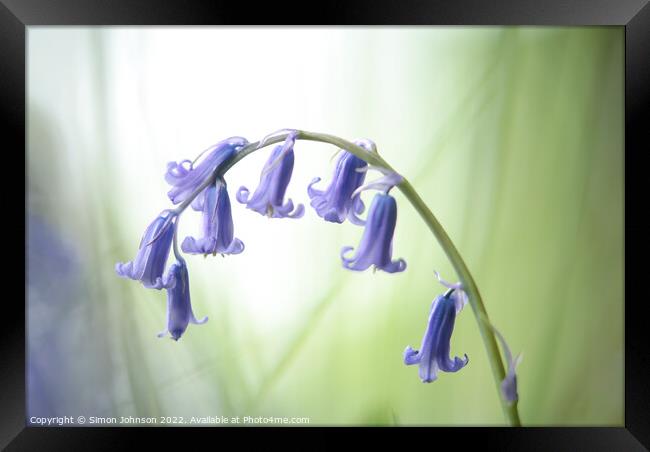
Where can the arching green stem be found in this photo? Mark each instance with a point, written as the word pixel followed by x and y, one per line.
pixel 465 277
pixel 469 285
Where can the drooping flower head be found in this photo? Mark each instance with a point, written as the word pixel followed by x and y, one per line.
pixel 509 383
pixel 149 264
pixel 268 198
pixel 434 351
pixel 185 177
pixel 179 306
pixel 336 202
pixel 218 229
pixel 376 245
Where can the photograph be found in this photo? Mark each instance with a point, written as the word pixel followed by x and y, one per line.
pixel 325 226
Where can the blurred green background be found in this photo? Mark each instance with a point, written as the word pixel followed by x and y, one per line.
pixel 512 136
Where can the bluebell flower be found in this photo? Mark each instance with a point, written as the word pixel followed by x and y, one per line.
pixel 336 202
pixel 268 198
pixel 434 351
pixel 218 229
pixel 509 383
pixel 185 177
pixel 377 239
pixel 179 306
pixel 149 264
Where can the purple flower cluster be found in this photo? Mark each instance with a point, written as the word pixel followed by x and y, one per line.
pixel 148 267
pixel 202 186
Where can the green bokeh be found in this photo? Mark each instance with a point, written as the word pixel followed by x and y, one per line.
pixel 512 136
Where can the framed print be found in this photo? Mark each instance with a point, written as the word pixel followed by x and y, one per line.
pixel 372 217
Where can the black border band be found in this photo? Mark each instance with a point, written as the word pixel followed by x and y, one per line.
pixel 634 14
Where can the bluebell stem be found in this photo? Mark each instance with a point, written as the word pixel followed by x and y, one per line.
pixel 185 180
pixel 218 229
pixel 202 187
pixel 434 351
pixel 179 306
pixel 268 198
pixel 149 264
pixel 336 202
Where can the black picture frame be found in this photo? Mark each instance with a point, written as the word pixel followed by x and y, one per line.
pixel 634 15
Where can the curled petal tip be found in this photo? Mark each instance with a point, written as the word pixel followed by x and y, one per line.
pixel 242 195
pixel 299 212
pixel 396 266
pixel 123 269
pixel 198 322
pixel 410 356
pixel 345 250
pixel 236 247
